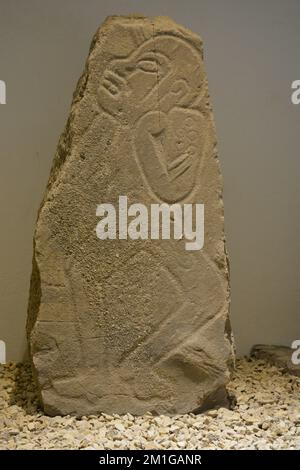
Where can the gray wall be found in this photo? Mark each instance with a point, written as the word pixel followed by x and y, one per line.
pixel 252 57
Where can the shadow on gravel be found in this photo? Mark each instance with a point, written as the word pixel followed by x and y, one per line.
pixel 24 391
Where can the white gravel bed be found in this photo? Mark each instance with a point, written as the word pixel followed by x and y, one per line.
pixel 266 416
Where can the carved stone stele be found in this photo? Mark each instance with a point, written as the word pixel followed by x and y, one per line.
pixel 127 325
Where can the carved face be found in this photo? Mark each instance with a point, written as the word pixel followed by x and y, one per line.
pixel 156 91
pixel 139 83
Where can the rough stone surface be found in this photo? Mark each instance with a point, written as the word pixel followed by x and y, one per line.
pixel 279 356
pixel 135 326
pixel 266 416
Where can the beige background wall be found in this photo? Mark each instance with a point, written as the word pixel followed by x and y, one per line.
pixel 252 57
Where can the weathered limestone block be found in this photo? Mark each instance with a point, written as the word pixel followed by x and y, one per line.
pixel 128 325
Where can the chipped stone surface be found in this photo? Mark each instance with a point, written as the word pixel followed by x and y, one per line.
pixel 266 416
pixel 133 326
pixel 279 356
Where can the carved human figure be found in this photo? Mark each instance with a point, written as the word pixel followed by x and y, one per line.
pixel 126 325
pixel 155 91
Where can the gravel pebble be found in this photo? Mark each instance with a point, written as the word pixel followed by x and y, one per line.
pixel 266 416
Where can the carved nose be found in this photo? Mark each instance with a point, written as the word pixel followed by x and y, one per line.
pixel 122 68
pixel 114 78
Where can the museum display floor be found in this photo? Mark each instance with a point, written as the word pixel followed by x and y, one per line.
pixel 266 416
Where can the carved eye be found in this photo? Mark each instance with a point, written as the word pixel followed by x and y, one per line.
pixel 148 65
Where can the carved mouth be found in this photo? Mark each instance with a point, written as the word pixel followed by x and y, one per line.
pixel 113 82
